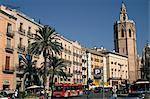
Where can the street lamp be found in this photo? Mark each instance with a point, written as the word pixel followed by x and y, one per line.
pixel 87 75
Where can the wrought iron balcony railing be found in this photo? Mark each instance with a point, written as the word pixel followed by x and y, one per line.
pixel 10 33
pixel 21 48
pixel 21 31
pixel 9 49
pixel 7 70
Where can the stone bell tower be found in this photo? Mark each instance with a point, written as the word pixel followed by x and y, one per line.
pixel 125 41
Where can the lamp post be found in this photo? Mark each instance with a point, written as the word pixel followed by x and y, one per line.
pixel 87 76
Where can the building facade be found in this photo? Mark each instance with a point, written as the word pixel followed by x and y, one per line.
pixel 125 41
pixel 145 63
pixel 96 60
pixel 77 62
pixel 117 68
pixel 7 47
pixel 17 29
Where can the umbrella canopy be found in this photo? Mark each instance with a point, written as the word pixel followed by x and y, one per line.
pixel 35 87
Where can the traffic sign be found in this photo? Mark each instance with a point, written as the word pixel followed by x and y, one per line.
pixel 97 73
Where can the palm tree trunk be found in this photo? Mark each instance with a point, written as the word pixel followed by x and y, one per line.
pixel 45 78
pixel 52 84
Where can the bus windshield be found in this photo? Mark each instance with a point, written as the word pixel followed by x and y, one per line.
pixel 140 87
pixel 59 88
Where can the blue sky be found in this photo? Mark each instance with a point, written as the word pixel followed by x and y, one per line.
pixel 88 21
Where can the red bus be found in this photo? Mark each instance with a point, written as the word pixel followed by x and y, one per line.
pixel 67 90
pixel 138 88
pixel 61 90
pixel 76 90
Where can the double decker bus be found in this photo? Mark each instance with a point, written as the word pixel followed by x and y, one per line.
pixel 139 88
pixel 67 90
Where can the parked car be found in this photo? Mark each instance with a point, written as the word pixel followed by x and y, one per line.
pixel 7 93
pixel 3 97
pixel 97 89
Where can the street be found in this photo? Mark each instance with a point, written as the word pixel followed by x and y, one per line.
pixel 98 96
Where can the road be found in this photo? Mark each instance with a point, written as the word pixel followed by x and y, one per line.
pixel 97 96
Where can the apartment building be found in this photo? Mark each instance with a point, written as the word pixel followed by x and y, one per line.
pixel 84 66
pixel 26 27
pixel 17 29
pixel 117 68
pixel 7 47
pixel 66 54
pixel 77 62
pixel 96 60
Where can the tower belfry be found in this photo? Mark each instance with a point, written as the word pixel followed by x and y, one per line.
pixel 125 40
pixel 123 13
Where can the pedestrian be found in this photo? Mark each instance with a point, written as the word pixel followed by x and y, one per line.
pixel 16 93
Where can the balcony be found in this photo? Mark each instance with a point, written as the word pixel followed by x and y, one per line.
pixel 29 34
pixel 67 51
pixel 68 62
pixel 69 74
pixel 9 49
pixel 21 31
pixel 10 33
pixel 83 68
pixel 18 70
pixel 21 48
pixel 83 76
pixel 8 70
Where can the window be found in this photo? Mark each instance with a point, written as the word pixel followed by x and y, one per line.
pixel 122 33
pixel 111 62
pixel 28 41
pixel 8 42
pixel 61 79
pixel 129 32
pixel 123 50
pixel 9 28
pixel 21 24
pixel 124 17
pixel 96 60
pixel 20 41
pixel 29 29
pixel 55 79
pixel 68 57
pixel 7 63
pixel 91 59
pixel 69 70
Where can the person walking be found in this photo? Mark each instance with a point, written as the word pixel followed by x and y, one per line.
pixel 16 93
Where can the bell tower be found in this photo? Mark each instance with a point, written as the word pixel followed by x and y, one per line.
pixel 125 41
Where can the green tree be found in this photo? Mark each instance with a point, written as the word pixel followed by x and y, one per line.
pixel 57 68
pixel 30 72
pixel 46 43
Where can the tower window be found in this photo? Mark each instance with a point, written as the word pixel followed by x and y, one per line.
pixel 129 33
pixel 122 33
pixel 124 17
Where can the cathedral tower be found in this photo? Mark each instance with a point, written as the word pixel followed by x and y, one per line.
pixel 125 41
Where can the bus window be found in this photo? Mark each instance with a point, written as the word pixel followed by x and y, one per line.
pixel 59 88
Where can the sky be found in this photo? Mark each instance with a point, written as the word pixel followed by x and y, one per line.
pixel 88 21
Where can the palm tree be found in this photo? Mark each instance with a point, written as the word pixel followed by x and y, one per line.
pixel 56 68
pixel 30 72
pixel 46 43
